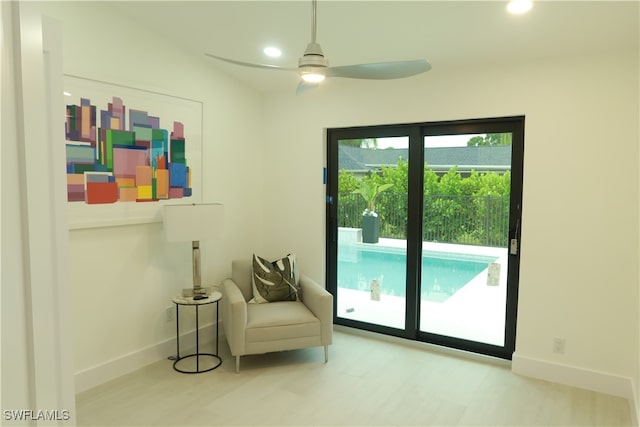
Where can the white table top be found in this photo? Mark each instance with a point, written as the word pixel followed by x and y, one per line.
pixel 213 297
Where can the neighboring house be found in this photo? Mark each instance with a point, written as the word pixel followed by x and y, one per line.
pixel 361 161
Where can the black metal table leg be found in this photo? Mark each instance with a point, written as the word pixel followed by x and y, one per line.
pixel 177 331
pixel 214 298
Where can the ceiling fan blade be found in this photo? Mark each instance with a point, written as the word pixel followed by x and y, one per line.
pixel 304 87
pixel 249 64
pixel 381 70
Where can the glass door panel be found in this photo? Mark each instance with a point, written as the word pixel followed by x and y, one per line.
pixel 371 240
pixel 463 287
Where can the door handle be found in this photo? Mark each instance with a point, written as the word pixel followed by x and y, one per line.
pixel 513 246
pixel 513 242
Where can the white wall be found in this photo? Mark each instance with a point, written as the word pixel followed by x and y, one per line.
pixel 119 311
pixel 579 271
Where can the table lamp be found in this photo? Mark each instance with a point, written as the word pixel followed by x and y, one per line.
pixel 192 223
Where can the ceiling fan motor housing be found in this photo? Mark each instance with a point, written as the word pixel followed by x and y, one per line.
pixel 313 57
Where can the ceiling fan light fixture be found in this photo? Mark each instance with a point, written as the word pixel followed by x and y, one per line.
pixel 312 77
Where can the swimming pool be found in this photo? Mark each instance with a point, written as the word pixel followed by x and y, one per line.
pixel 443 273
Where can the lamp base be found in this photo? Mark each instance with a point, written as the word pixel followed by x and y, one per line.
pixel 189 292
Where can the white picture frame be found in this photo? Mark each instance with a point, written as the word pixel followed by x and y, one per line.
pixel 168 109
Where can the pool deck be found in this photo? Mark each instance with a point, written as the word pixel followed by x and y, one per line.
pixel 475 312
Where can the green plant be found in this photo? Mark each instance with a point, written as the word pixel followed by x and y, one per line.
pixel 370 192
pixel 347 182
pixel 456 208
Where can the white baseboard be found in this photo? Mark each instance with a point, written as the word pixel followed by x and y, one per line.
pixel 107 371
pixel 602 382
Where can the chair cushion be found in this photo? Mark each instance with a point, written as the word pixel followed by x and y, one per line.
pixel 280 320
pixel 274 281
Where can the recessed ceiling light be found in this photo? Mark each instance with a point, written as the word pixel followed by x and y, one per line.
pixel 518 7
pixel 273 52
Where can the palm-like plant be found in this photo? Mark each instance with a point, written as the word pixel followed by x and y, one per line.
pixel 370 192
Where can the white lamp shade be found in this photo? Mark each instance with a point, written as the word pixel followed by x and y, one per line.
pixel 186 223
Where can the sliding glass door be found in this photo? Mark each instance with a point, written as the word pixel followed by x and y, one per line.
pixel 371 231
pixel 464 236
pixel 422 230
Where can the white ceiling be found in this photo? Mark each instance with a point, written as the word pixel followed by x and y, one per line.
pixel 446 33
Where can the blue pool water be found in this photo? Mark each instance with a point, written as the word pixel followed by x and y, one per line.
pixel 443 274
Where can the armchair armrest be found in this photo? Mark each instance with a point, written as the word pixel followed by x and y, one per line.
pixel 320 302
pixel 234 315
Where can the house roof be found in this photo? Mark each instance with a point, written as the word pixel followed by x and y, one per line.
pixel 496 158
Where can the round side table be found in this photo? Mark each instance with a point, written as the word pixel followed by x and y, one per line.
pixel 189 301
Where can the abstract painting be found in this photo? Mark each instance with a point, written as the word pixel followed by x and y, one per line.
pixel 128 151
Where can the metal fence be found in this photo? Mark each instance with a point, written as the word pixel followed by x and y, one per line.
pixel 472 220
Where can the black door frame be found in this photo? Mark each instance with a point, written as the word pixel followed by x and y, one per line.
pixel 416 133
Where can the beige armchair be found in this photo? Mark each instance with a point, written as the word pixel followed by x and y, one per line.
pixel 274 326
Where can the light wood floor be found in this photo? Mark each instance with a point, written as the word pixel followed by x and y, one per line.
pixel 366 382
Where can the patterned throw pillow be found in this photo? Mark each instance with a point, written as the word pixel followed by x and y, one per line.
pixel 274 281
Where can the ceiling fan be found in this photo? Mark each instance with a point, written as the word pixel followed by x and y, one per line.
pixel 313 67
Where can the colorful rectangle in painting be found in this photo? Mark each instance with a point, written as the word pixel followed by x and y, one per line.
pixel 120 160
